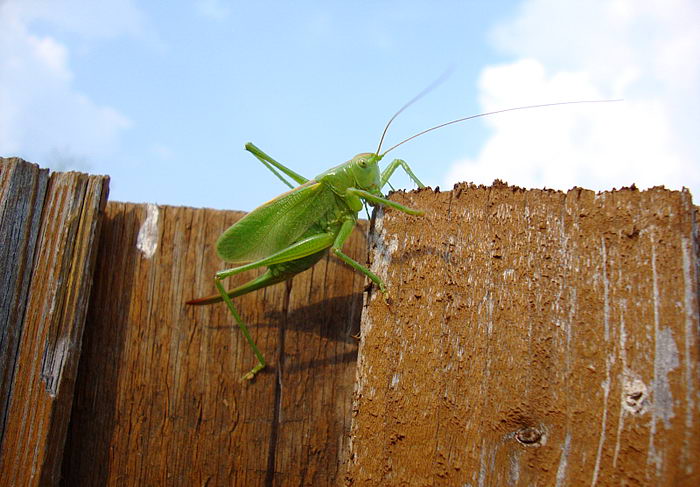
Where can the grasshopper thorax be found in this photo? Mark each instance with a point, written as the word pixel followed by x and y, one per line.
pixel 360 172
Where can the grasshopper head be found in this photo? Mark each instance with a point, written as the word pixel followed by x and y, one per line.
pixel 365 171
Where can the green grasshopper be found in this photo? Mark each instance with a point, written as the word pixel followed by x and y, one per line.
pixel 293 231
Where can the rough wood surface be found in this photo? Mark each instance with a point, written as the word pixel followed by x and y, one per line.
pixel 531 338
pixel 22 190
pixel 159 400
pixel 49 328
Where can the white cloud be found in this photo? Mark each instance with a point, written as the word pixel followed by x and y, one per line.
pixel 647 52
pixel 44 118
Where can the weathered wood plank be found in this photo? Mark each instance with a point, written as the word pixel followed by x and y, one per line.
pixel 52 325
pixel 532 338
pixel 159 400
pixel 22 190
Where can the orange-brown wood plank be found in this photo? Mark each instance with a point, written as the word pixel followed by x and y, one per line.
pixel 50 327
pixel 531 338
pixel 159 399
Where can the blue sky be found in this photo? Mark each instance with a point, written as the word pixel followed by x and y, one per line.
pixel 162 96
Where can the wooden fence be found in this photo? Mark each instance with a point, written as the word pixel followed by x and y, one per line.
pixel 532 338
pixel 528 338
pixel 159 399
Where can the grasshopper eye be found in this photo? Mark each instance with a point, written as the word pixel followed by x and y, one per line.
pixel 362 163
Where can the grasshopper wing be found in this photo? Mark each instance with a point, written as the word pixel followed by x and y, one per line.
pixel 276 224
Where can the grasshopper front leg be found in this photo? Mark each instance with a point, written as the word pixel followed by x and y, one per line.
pixel 378 200
pixel 395 164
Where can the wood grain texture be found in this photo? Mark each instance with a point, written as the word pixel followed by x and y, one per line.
pixel 52 325
pixel 159 400
pixel 531 338
pixel 22 191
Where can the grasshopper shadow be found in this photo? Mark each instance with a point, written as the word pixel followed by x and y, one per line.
pixel 332 320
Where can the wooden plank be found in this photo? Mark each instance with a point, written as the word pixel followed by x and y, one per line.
pixel 22 190
pixel 49 346
pixel 159 400
pixel 531 338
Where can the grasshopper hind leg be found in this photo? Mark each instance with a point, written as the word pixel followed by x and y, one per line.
pixel 239 321
pixel 276 273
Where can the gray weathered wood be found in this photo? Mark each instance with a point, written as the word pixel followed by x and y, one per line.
pixel 50 332
pixel 22 189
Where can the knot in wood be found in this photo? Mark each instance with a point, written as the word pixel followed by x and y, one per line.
pixel 530 436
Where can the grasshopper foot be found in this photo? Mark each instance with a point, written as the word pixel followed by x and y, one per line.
pixel 251 375
pixel 385 295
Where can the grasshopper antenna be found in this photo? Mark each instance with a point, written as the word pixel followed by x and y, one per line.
pixel 479 115
pixel 420 95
